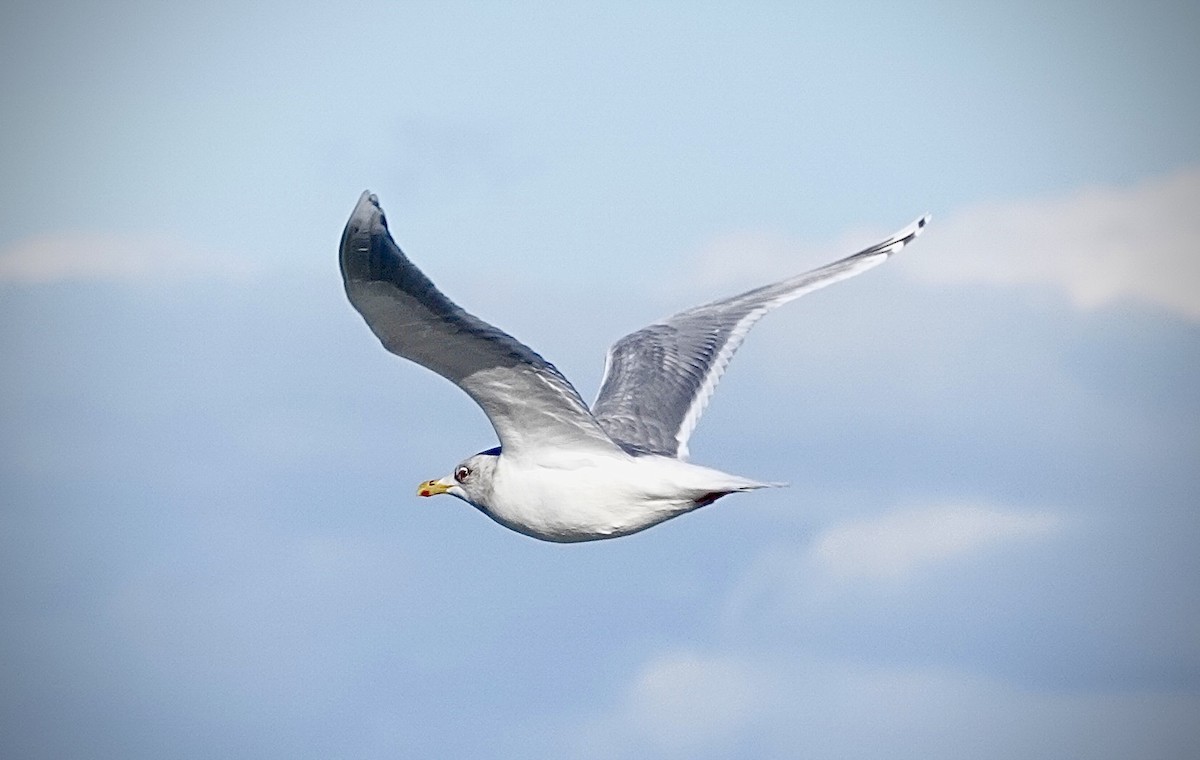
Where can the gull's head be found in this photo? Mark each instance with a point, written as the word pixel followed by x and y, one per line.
pixel 471 480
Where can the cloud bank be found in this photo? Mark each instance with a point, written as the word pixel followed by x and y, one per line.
pixel 64 256
pixel 1098 244
pixel 807 706
pixel 895 545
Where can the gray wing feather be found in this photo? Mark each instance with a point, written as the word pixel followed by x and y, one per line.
pixel 658 380
pixel 529 403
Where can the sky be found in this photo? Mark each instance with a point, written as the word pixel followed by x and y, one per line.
pixel 210 543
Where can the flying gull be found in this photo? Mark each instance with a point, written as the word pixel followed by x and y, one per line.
pixel 564 472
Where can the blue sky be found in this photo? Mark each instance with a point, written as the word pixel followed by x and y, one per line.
pixel 209 542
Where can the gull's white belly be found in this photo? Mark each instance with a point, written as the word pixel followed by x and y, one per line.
pixel 602 498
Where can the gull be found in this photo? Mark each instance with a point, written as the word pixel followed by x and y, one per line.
pixel 564 472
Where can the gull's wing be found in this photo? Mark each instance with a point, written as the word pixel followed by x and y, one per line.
pixel 530 404
pixel 658 380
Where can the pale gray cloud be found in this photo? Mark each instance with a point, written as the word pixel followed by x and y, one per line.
pixel 893 546
pixel 59 256
pixel 681 703
pixel 794 704
pixel 885 559
pixel 1098 244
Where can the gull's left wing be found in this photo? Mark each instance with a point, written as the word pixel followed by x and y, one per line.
pixel 529 403
pixel 658 380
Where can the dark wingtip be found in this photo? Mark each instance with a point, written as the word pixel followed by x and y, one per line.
pixel 367 211
pixel 901 238
pixel 365 230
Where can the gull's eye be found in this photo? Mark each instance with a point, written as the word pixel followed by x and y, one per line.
pixel 462 473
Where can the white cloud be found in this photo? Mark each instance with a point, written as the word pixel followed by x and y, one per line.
pixel 879 561
pixel 1098 244
pixel 678 704
pixel 791 704
pixel 858 710
pixel 894 545
pixel 112 258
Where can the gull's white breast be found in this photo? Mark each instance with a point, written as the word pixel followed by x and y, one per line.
pixel 585 498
